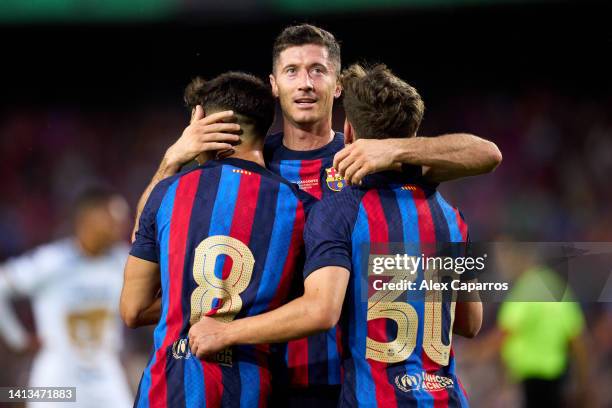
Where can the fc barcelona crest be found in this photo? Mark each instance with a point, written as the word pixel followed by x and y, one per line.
pixel 334 180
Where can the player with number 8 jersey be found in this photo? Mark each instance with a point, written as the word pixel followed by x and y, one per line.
pixel 227 236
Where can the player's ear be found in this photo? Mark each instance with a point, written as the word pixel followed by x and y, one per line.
pixel 338 90
pixel 197 113
pixel 349 132
pixel 274 86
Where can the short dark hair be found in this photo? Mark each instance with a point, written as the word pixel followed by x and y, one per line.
pixel 303 34
pixel 92 196
pixel 243 93
pixel 378 104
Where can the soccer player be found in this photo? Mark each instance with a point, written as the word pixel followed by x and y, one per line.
pixel 221 240
pixel 306 64
pixel 74 286
pixel 398 348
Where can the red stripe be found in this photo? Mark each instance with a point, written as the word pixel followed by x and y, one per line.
pixel 179 229
pixel 377 328
pixel 264 374
pixel 242 225
pixel 427 235
pixel 297 356
pixel 213 383
pixel 310 170
pixel 462 225
pixel 296 245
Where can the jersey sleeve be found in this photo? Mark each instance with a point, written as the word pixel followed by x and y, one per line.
pixel 327 235
pixel 145 245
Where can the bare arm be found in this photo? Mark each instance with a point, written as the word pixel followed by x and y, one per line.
pixel 443 158
pixel 140 304
pixel 318 309
pixel 204 134
pixel 468 319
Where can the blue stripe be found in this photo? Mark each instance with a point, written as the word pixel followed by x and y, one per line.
pixel 451 219
pixel 364 384
pixel 164 216
pixel 290 169
pixel 280 242
pixel 225 202
pixel 249 384
pixel 194 383
pixel 223 210
pixel 410 223
pixel 333 362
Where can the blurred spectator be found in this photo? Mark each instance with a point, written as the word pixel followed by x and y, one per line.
pixel 74 285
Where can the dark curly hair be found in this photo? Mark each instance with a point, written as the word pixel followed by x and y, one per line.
pixel 243 93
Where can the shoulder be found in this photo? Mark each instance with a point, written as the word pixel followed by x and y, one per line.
pixel 57 251
pixel 340 207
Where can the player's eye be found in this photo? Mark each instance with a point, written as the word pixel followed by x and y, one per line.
pixel 290 70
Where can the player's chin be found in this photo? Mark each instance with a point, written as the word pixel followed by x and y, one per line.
pixel 306 118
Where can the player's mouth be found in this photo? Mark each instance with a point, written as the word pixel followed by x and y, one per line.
pixel 305 103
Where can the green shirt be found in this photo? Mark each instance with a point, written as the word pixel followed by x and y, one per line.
pixel 538 333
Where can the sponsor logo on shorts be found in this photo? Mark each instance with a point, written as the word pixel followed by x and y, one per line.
pixel 423 381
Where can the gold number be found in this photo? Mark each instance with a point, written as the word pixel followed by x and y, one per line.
pixel 432 330
pixel 382 305
pixel 86 328
pixel 210 287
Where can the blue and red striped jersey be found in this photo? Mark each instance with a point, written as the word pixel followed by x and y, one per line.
pixel 390 208
pixel 314 360
pixel 228 238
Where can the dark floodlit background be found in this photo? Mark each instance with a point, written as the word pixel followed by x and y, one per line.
pixel 93 90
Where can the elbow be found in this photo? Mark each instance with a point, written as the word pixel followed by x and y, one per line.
pixel 130 319
pixel 494 156
pixel 325 317
pixel 471 330
pixel 130 315
pixel 468 319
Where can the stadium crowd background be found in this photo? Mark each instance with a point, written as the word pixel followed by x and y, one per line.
pixel 87 101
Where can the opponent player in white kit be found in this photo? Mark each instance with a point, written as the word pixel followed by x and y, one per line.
pixel 74 285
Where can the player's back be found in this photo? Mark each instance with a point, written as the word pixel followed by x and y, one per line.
pixel 229 235
pixel 397 348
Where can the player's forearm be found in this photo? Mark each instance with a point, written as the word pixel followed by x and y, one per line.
pixel 298 318
pixel 468 319
pixel 168 167
pixel 149 315
pixel 448 157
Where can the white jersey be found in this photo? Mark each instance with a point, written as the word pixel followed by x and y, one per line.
pixel 75 302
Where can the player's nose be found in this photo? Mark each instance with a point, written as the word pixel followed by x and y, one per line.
pixel 305 81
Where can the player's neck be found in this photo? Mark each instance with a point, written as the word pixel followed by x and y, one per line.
pixel 307 137
pixel 250 153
